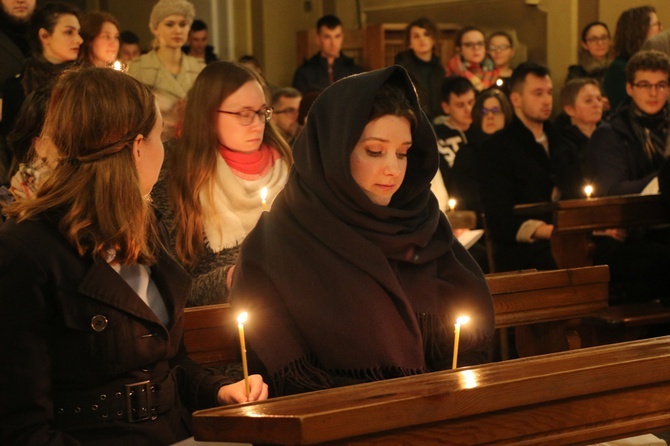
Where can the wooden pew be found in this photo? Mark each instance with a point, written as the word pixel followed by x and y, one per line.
pixel 210 335
pixel 572 244
pixel 530 297
pixel 579 397
pixel 575 220
pixel 527 297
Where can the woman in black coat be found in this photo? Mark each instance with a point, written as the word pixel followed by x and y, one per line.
pixel 91 315
pixel 355 275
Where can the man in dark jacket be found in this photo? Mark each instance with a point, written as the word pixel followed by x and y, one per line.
pixel 14 50
pixel 329 64
pixel 627 152
pixel 526 162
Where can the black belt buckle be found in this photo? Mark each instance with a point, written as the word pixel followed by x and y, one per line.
pixel 138 401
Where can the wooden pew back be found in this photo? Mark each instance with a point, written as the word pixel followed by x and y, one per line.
pixel 526 297
pixel 542 296
pixel 210 334
pixel 578 397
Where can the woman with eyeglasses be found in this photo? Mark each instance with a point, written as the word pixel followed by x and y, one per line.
pixel 423 64
pixel 595 53
pixel 210 190
pixel 471 61
pixel 634 27
pixel 500 48
pixel 492 112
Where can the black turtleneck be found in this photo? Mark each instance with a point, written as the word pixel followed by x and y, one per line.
pixel 16 31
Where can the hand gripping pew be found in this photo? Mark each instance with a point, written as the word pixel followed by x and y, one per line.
pixel 578 397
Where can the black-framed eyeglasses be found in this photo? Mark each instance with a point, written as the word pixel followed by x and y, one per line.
pixel 494 48
pixel 596 39
pixel 492 110
pixel 246 117
pixel 471 45
pixel 287 111
pixel 660 86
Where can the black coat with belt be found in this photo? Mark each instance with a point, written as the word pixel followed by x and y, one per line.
pixel 84 359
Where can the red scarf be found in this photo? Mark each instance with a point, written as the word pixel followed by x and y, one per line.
pixel 250 165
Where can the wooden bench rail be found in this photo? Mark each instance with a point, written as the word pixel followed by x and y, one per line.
pixel 588 395
pixel 527 297
pixel 575 220
pixel 544 296
pixel 210 334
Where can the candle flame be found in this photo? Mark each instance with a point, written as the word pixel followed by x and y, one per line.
pixel 264 194
pixel 242 318
pixel 499 82
pixel 118 66
pixel 588 190
pixel 451 203
pixel 463 320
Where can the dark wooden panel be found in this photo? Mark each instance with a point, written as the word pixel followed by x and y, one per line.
pixel 583 396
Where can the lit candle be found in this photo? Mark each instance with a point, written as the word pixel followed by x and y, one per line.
pixel 117 65
pixel 499 82
pixel 452 204
pixel 241 319
pixel 264 196
pixel 588 190
pixel 460 321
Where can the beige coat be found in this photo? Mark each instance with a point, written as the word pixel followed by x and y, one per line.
pixel 170 91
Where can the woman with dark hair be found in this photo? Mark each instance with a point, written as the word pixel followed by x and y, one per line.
pixel 470 60
pixel 596 52
pixel 100 31
pixel 210 193
pixel 492 112
pixel 423 64
pixel 54 40
pixel 355 274
pixel 500 47
pixel 634 26
pixel 91 315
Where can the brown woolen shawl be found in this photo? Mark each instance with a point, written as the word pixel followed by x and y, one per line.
pixel 339 289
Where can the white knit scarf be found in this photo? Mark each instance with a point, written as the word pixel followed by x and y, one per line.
pixel 235 205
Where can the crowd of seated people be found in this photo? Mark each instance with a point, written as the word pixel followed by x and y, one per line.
pixel 309 205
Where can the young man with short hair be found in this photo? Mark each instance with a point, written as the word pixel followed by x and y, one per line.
pixel 526 162
pixel 197 43
pixel 457 157
pixel 627 152
pixel 286 105
pixel 329 64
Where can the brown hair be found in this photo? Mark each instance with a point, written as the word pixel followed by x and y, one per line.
pixel 426 24
pixel 392 100
pixel 93 118
pixel 193 163
pixel 572 88
pixel 91 26
pixel 505 106
pixel 631 30
pixel 458 38
pixel 648 60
